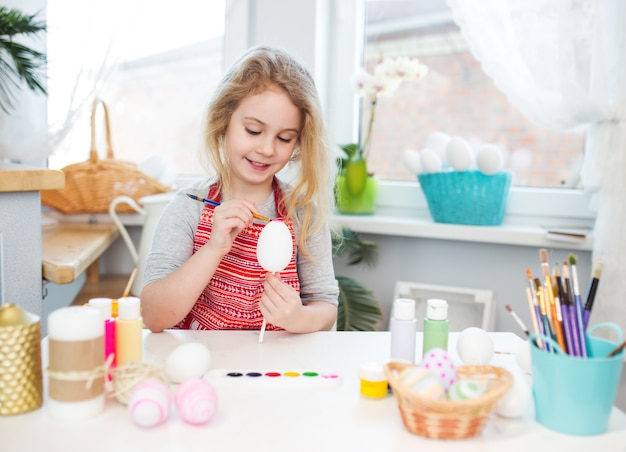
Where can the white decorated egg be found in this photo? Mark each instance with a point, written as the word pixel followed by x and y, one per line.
pixel 196 401
pixel 438 142
pixel 437 361
pixel 475 346
pixel 422 382
pixel 149 403
pixel 489 159
pixel 190 360
pixel 459 154
pixel 275 246
pixel 466 390
pixel 413 161
pixel 431 162
pixel 516 400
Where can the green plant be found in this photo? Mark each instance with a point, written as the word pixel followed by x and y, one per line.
pixel 383 81
pixel 359 309
pixel 18 63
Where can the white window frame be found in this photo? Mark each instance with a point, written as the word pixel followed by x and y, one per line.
pixel 334 51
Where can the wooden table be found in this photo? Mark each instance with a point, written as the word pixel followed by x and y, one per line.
pixel 270 415
pixel 69 249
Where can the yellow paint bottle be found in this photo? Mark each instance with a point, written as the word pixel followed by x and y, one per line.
pixel 128 335
pixel 373 380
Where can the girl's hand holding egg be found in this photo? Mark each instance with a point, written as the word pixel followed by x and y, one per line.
pixel 274 251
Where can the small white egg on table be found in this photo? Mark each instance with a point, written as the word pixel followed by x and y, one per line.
pixel 189 360
pixel 475 346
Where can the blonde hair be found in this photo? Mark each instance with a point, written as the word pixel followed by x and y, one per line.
pixel 254 72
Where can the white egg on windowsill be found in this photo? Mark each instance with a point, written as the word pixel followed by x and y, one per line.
pixel 431 163
pixel 438 142
pixel 489 159
pixel 459 154
pixel 413 161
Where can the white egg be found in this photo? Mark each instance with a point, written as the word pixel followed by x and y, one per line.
pixel 516 400
pixel 438 142
pixel 431 163
pixel 459 154
pixel 474 346
pixel 275 246
pixel 489 159
pixel 413 161
pixel 190 360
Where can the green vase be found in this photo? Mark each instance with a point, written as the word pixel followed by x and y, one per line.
pixel 361 204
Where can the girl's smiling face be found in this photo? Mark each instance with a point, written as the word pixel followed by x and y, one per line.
pixel 261 136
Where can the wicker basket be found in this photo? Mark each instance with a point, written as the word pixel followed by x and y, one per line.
pixel 447 419
pixel 466 197
pixel 90 186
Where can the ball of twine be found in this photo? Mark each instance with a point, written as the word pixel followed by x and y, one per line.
pixel 127 376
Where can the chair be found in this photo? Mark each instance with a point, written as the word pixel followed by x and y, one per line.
pixel 466 306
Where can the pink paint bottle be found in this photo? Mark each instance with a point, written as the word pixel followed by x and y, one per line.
pixel 105 307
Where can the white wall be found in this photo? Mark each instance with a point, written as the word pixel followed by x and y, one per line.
pixel 501 268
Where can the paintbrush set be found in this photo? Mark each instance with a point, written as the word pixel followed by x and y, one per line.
pixel 556 305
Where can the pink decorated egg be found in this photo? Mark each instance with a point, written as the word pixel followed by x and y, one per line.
pixel 149 403
pixel 196 401
pixel 437 361
pixel 423 383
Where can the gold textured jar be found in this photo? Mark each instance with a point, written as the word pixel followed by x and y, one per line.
pixel 21 382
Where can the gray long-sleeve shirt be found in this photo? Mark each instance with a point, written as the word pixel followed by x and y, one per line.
pixel 174 237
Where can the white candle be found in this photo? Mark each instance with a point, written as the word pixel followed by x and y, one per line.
pixel 76 363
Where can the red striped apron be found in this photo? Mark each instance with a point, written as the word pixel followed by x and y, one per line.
pixel 231 300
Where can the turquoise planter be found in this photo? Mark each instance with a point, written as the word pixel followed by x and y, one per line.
pixel 361 204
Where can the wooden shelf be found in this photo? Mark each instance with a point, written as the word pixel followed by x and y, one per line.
pixel 68 249
pixel 15 178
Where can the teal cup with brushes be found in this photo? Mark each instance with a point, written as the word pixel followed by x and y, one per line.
pixel 575 395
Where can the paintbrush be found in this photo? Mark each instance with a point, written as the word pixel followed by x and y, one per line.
pixel 591 295
pixel 533 318
pixel 518 320
pixel 561 296
pixel 215 204
pixel 535 303
pixel 570 312
pixel 617 350
pixel 549 291
pixel 578 306
pixel 130 283
pixel 542 308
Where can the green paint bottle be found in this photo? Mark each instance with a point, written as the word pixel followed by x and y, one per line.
pixel 435 325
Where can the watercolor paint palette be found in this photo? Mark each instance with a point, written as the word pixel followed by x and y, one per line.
pixel 275 378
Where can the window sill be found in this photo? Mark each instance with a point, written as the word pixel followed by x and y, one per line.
pixel 407 223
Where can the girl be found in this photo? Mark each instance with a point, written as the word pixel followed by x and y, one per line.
pixel 202 272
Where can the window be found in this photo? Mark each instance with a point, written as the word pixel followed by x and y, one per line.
pixel 456 98
pixel 155 66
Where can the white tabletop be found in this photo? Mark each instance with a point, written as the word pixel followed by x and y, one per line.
pixel 283 417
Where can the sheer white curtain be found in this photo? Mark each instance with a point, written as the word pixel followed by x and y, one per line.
pixel 561 64
pixel 89 42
